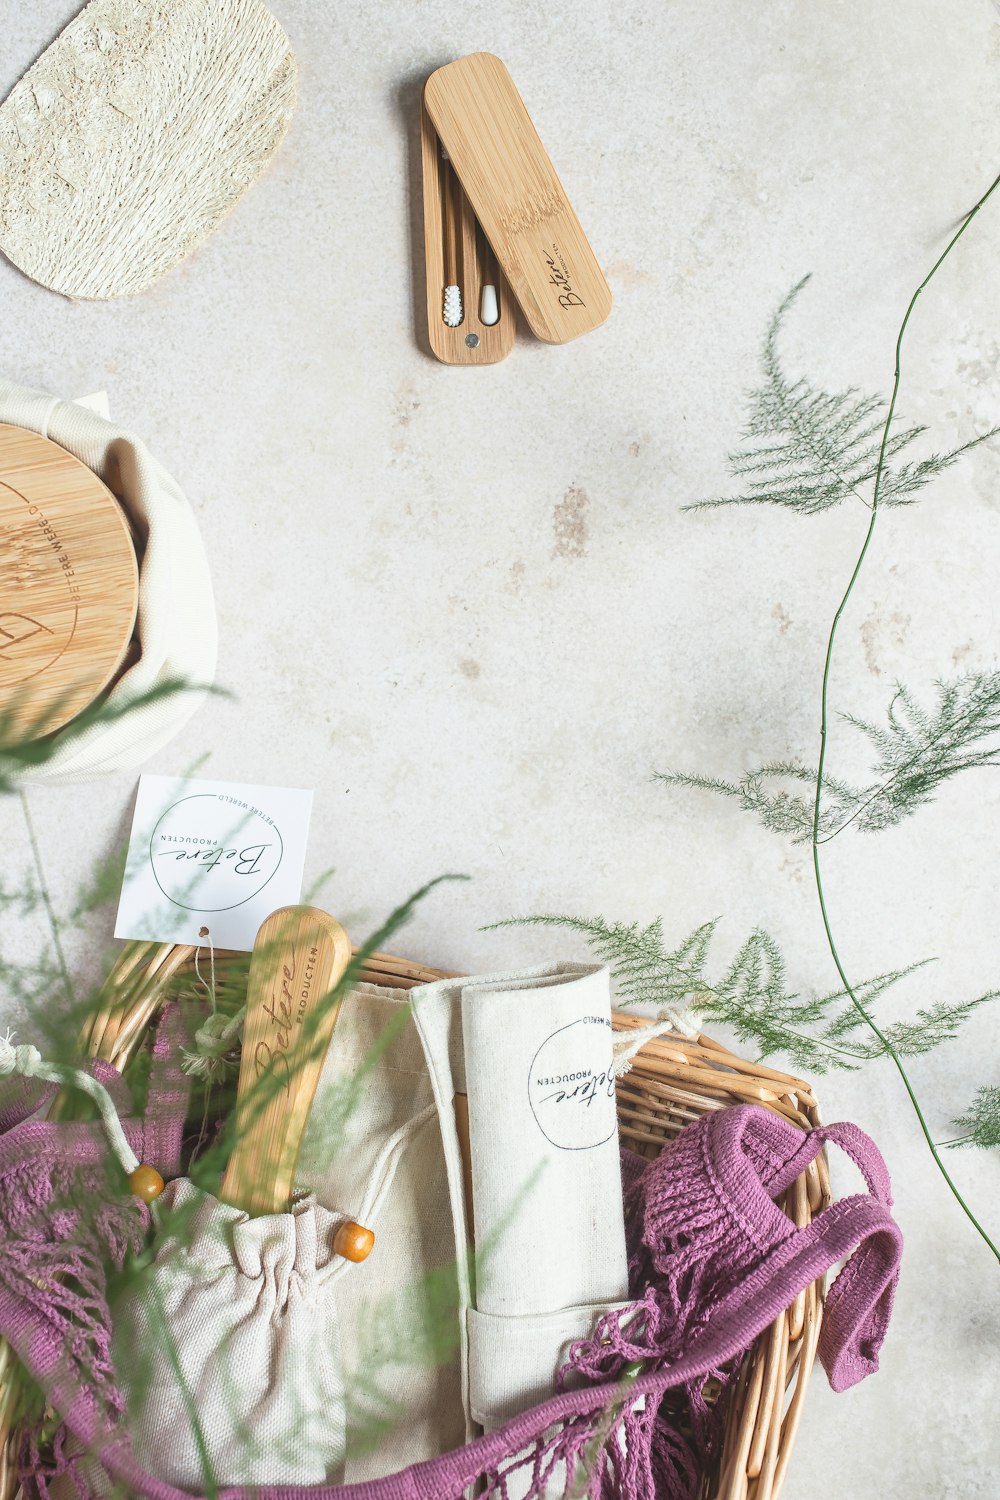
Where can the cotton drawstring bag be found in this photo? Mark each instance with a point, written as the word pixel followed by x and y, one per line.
pixel 176 624
pixel 256 1383
pixel 270 1328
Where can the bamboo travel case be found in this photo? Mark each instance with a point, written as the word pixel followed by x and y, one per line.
pixel 498 225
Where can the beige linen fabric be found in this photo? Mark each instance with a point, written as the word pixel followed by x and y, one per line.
pixel 398 1311
pixel 302 1366
pixel 253 1308
pixel 249 1307
pixel 176 622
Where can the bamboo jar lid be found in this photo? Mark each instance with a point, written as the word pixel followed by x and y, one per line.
pixel 69 585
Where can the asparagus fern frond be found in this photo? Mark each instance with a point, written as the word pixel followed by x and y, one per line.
pixel 808 449
pixel 980 1124
pixel 914 751
pixel 752 995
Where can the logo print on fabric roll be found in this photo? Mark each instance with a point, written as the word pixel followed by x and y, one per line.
pixel 571 1085
pixel 211 853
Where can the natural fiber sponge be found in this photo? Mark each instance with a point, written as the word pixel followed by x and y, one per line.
pixel 133 133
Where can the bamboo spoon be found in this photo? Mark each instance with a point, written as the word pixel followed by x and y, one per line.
pixel 298 958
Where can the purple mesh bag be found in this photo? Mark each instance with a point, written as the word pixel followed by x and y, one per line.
pixel 713 1261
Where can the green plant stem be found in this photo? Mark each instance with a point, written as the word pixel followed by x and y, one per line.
pixel 824 716
pixel 36 855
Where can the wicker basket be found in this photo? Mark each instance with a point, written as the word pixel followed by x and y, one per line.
pixel 672 1081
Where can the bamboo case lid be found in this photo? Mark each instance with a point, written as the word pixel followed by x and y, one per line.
pixel 69 585
pixel 517 197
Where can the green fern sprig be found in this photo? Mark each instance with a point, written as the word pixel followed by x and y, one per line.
pixel 981 1122
pixel 938 1023
pixel 752 995
pixel 778 806
pixel 645 971
pixel 915 751
pixel 26 747
pixel 787 476
pixel 22 899
pixel 808 449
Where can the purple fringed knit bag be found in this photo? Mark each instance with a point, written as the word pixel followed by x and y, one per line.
pixel 713 1261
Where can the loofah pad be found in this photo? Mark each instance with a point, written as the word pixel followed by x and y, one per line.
pixel 133 133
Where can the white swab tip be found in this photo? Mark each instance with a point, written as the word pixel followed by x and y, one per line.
pixel 452 306
pixel 490 312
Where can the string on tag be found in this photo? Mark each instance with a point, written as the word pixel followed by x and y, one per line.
pixel 216 1038
pixel 209 984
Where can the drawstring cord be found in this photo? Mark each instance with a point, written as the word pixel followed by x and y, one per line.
pixel 626 1044
pixel 209 983
pixel 217 1037
pixel 381 1180
pixel 29 1063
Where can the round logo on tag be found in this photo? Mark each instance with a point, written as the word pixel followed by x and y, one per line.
pixel 571 1085
pixel 211 853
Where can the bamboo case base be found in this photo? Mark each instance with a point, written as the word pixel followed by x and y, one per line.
pixel 472 342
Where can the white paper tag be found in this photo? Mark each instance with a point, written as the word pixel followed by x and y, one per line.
pixel 209 860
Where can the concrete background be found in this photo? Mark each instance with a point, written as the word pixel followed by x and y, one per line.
pixel 468 609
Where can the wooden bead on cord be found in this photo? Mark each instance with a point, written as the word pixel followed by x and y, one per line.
pixel 353 1241
pixel 146 1182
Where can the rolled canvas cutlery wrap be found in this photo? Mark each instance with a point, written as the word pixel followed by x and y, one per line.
pixel 533 1053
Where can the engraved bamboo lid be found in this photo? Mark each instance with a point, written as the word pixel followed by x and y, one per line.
pixel 69 585
pixel 510 181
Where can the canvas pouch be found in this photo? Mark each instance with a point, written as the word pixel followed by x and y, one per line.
pixel 176 624
pixel 248 1307
pixel 270 1329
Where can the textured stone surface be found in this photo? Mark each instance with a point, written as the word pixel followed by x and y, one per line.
pixel 467 607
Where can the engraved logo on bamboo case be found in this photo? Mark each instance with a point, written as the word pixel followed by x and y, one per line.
pixel 559 278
